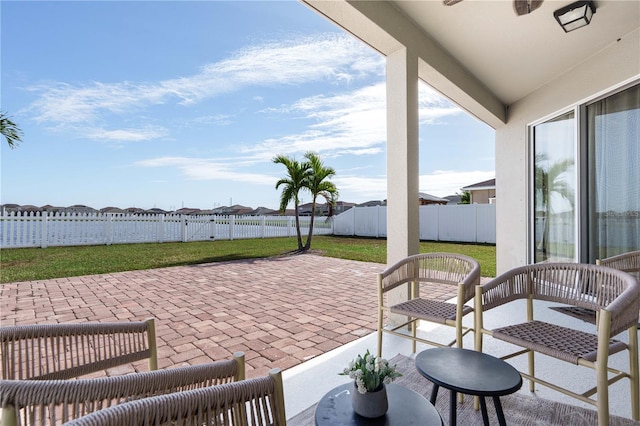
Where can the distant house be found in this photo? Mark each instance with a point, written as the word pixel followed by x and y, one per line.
pixel 134 210
pixel 342 206
pixel 482 192
pixel 236 209
pixel 51 209
pixel 187 211
pixel 80 208
pixel 427 199
pixel 263 211
pixel 112 210
pixel 156 210
pixel 453 199
pixel 373 203
pixel 28 208
pixel 324 209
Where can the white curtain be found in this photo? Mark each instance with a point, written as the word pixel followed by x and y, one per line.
pixel 614 173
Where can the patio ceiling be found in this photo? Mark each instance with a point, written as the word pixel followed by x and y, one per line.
pixel 480 53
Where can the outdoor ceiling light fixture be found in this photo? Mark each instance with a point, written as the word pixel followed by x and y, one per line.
pixel 575 15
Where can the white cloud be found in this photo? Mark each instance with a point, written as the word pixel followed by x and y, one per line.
pixel 348 123
pixel 126 135
pixel 360 188
pixel 345 123
pixel 209 169
pixel 323 57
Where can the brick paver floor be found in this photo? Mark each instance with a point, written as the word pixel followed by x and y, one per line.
pixel 279 311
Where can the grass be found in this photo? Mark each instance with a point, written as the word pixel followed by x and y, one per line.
pixel 30 264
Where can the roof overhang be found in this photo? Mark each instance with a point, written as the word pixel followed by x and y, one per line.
pixel 479 53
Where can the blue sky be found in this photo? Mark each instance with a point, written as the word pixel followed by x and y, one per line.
pixel 171 104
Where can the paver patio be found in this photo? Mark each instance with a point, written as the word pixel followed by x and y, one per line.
pixel 279 311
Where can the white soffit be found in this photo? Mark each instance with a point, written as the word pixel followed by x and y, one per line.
pixel 508 55
pixel 515 55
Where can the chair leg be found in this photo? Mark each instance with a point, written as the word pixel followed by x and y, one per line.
pixel 602 360
pixel 532 370
pixel 634 372
pixel 380 335
pixel 414 332
pixel 8 416
pixel 531 355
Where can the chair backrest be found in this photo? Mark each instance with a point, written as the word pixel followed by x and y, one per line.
pixel 53 402
pixel 578 284
pixel 257 402
pixel 443 268
pixel 69 350
pixel 628 262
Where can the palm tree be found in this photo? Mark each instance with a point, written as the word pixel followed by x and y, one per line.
pixel 318 184
pixel 10 130
pixel 549 181
pixel 293 184
pixel 465 197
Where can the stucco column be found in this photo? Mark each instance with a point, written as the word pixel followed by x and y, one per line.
pixel 403 226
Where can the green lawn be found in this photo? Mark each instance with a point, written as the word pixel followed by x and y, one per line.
pixel 58 262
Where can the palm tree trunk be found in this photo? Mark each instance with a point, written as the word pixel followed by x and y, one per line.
pixel 307 246
pixel 299 234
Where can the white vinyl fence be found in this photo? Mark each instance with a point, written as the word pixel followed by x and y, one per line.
pixel 74 229
pixel 474 223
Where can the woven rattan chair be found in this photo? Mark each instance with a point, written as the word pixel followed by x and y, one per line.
pixel 69 350
pixel 627 262
pixel 257 402
pixel 423 274
pixel 613 294
pixel 53 402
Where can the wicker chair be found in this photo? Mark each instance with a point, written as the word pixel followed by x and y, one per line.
pixel 421 274
pixel 627 262
pixel 257 402
pixel 613 294
pixel 69 350
pixel 53 402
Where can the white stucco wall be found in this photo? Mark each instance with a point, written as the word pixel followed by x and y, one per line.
pixel 610 68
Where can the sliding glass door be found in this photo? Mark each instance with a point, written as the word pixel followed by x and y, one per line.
pixel 554 191
pixel 585 174
pixel 613 128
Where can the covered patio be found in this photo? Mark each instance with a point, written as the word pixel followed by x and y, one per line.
pixel 308 315
pixel 524 76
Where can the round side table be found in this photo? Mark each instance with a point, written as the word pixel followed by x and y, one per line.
pixel 468 372
pixel 406 408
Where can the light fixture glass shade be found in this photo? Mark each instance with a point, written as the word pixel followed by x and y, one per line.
pixel 575 15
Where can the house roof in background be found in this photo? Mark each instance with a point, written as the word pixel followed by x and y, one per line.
pixel 429 197
pixel 487 184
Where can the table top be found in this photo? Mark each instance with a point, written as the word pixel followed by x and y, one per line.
pixel 406 408
pixel 468 372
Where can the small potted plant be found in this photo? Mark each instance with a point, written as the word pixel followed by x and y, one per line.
pixel 370 375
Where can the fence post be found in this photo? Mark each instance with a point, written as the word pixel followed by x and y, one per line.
pixel 263 222
pixel 109 232
pixel 43 235
pixel 475 211
pixel 212 227
pixel 161 229
pixel 232 223
pixel 183 221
